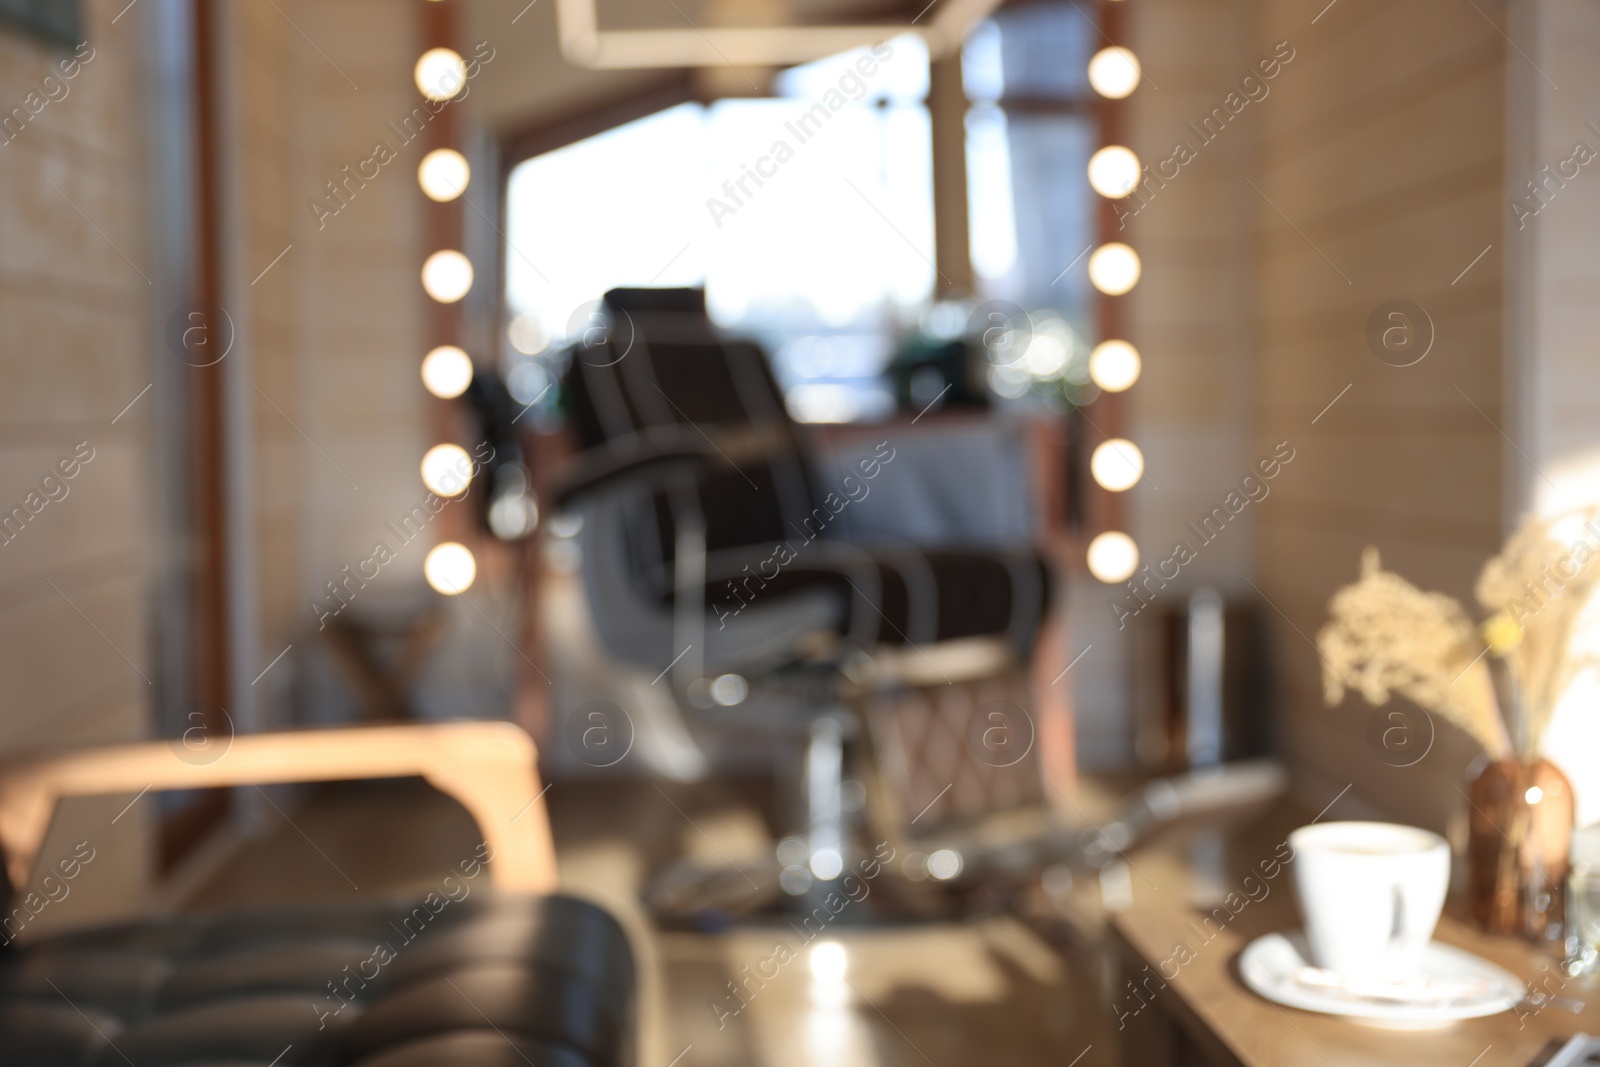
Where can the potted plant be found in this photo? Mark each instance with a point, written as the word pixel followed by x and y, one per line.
pixel 1498 681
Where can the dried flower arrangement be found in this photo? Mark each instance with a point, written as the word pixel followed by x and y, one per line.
pixel 1388 637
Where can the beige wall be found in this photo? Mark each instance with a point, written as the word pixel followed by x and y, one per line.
pixel 1552 373
pixel 73 313
pixel 1381 151
pixel 334 332
pixel 1191 412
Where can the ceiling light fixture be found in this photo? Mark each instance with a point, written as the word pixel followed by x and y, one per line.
pixel 584 44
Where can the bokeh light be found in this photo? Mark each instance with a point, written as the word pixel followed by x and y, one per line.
pixel 1114 365
pixel 440 74
pixel 1117 464
pixel 1114 268
pixel 1114 72
pixel 447 470
pixel 450 568
pixel 446 372
pixel 1114 171
pixel 443 174
pixel 1113 557
pixel 447 276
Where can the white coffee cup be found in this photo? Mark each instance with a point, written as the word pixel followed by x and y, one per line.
pixel 1370 893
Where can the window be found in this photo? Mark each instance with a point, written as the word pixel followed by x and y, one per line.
pixel 808 218
pixel 1030 132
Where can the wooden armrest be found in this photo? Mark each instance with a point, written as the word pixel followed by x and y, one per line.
pixel 487 766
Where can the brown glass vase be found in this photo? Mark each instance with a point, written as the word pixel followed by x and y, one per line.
pixel 1519 846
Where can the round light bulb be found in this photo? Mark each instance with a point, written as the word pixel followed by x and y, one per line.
pixel 1114 172
pixel 1117 464
pixel 447 470
pixel 450 568
pixel 443 174
pixel 1114 365
pixel 1114 72
pixel 447 276
pixel 1113 557
pixel 447 371
pixel 1114 268
pixel 440 74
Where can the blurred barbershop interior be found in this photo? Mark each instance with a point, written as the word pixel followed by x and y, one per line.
pixel 775 532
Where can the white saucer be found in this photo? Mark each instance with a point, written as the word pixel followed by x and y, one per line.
pixel 1464 986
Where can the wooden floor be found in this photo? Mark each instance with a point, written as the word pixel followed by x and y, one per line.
pixel 984 991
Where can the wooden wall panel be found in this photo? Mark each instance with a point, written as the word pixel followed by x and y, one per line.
pixel 1383 153
pixel 73 321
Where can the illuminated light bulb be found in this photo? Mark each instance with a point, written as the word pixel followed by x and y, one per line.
pixel 1533 795
pixel 447 470
pixel 440 74
pixel 1114 365
pixel 1114 268
pixel 450 568
pixel 1114 72
pixel 1117 464
pixel 447 371
pixel 1113 557
pixel 447 276
pixel 1114 172
pixel 443 174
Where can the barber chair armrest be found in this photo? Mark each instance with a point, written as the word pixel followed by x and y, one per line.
pixel 488 767
pixel 694 451
pixel 617 464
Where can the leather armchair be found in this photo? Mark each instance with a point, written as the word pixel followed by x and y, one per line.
pixel 487 968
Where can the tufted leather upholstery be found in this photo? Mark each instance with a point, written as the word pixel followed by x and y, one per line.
pixel 486 980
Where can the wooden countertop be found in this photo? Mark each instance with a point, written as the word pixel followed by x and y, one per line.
pixel 1222 1020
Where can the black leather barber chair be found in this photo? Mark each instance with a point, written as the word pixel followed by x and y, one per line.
pixel 708 554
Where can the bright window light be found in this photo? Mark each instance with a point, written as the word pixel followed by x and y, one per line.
pixel 789 210
pixel 983 68
pixel 991 211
